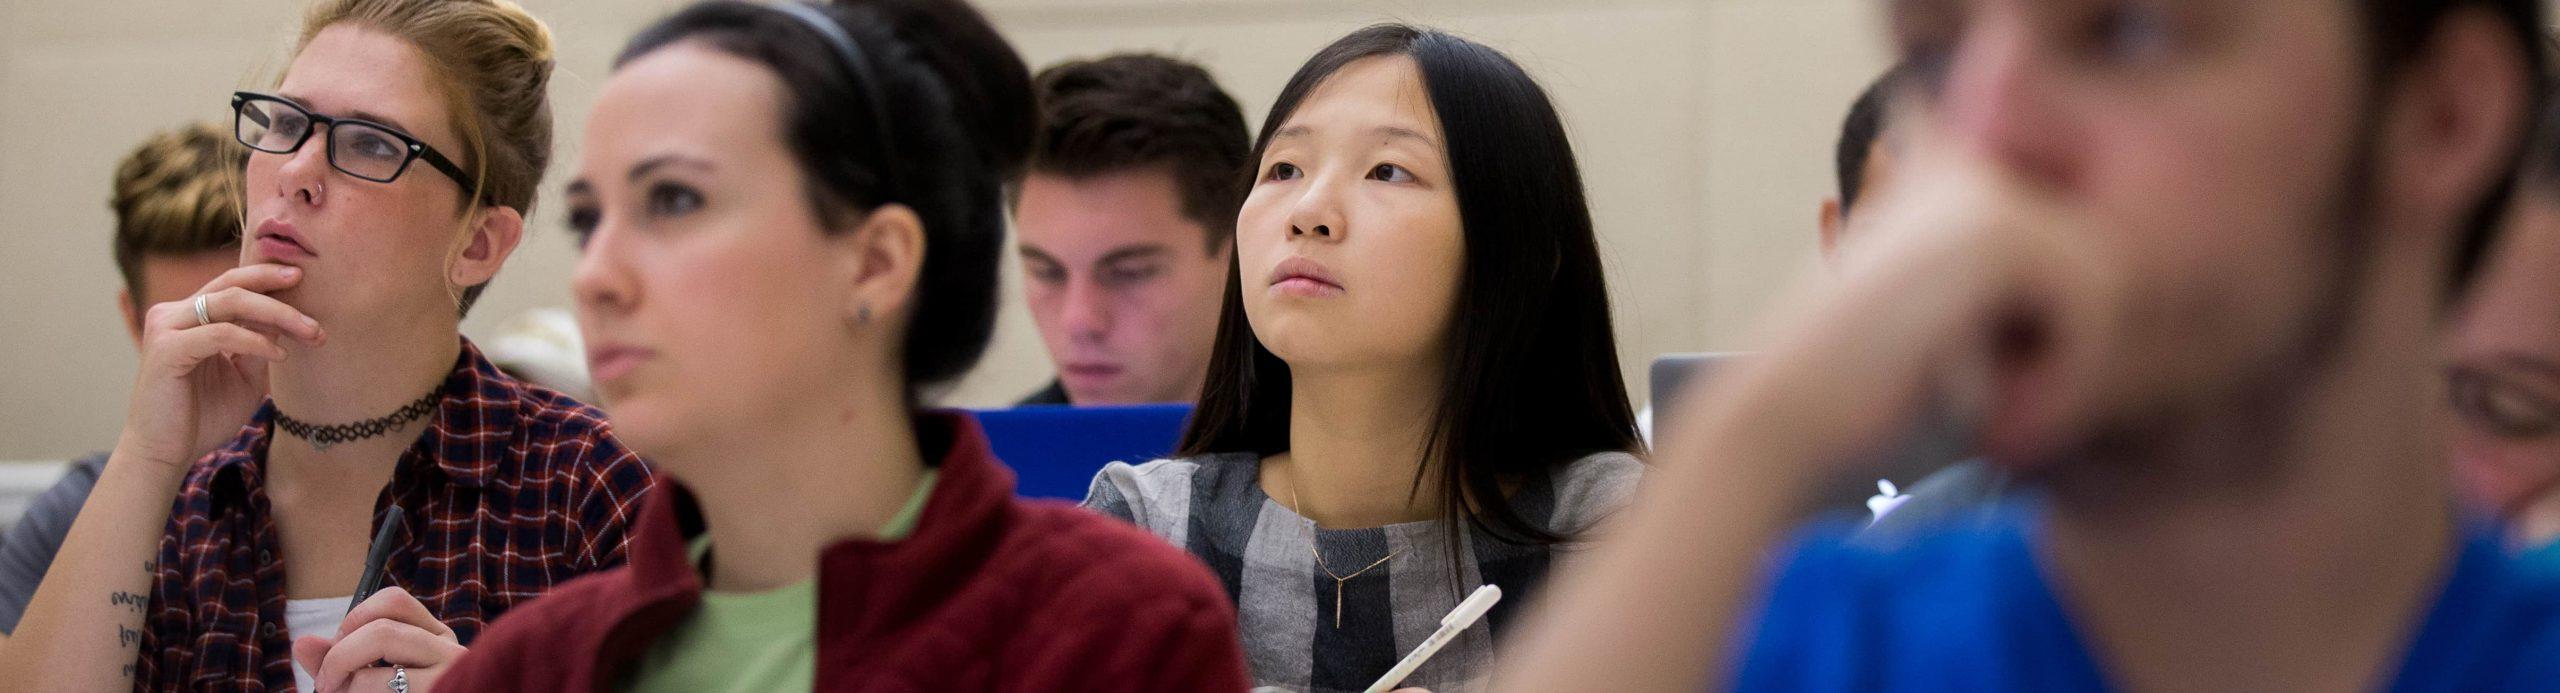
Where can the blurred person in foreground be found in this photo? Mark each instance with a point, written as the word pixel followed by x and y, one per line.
pixel 2183 268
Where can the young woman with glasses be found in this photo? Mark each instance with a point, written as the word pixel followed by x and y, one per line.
pixel 287 408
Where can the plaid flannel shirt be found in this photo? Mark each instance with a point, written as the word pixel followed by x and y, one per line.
pixel 511 489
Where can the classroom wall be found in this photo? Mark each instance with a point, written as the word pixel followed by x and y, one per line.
pixel 1704 129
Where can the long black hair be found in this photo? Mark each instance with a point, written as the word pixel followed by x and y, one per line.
pixel 1532 382
pixel 952 121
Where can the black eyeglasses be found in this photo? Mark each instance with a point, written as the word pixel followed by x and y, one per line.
pixel 2501 405
pixel 360 148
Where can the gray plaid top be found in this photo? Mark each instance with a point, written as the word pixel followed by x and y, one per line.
pixel 1215 507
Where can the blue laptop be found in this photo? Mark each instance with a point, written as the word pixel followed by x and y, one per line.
pixel 1055 450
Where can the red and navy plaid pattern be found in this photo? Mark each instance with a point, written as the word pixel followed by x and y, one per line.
pixel 511 489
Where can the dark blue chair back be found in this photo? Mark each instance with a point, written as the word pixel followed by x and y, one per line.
pixel 1054 450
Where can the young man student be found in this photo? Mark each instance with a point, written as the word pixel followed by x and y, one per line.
pixel 1935 490
pixel 2503 375
pixel 2183 266
pixel 1125 215
pixel 1862 159
pixel 177 227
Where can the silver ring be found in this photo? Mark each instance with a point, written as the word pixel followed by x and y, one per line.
pixel 202 318
pixel 399 679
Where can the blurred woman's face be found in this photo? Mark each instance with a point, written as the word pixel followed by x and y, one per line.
pixel 2506 365
pixel 368 250
pixel 1349 246
pixel 704 289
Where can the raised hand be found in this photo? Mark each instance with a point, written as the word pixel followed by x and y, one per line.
pixel 204 373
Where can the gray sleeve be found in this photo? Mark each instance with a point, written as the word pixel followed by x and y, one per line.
pixel 1155 496
pixel 1106 497
pixel 30 544
pixel 1593 488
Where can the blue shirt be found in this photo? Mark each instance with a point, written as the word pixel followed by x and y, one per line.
pixel 1968 609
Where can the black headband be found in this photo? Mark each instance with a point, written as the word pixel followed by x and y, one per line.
pixel 864 80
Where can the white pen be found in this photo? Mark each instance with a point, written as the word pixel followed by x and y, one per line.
pixel 1458 619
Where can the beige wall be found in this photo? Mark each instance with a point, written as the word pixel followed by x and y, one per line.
pixel 1704 128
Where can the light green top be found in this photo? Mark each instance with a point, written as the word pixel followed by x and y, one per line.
pixel 751 641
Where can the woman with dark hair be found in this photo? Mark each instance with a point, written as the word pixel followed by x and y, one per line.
pixel 828 178
pixel 1415 389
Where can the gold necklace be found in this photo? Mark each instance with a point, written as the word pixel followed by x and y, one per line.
pixel 1338 580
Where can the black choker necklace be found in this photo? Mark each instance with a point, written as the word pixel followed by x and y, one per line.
pixel 323 437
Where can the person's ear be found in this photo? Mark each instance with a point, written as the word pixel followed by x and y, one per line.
pixel 494 234
pixel 132 317
pixel 1833 218
pixel 2454 117
pixel 880 260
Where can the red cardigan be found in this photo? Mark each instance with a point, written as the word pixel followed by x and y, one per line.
pixel 991 593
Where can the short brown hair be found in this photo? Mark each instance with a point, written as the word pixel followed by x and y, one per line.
pixel 176 194
pixel 1135 111
pixel 492 60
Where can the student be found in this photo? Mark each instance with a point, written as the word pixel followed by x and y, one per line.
pixel 1126 217
pixel 2184 265
pixel 830 175
pixel 2505 370
pixel 1415 390
pixel 177 212
pixel 1937 491
pixel 1862 158
pixel 388 178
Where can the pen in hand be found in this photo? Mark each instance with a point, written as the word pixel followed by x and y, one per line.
pixel 377 555
pixel 1458 619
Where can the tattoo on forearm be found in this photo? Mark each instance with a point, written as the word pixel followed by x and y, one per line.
pixel 127 639
pixel 135 602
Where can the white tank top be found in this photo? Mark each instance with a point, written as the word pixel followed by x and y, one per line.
pixel 313 617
